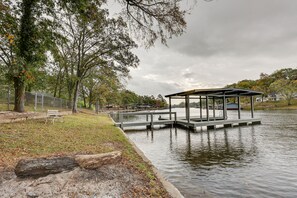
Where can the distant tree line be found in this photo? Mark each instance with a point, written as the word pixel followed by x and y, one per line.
pixel 283 82
pixel 129 99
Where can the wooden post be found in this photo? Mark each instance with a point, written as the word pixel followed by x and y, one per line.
pixel 35 102
pixel 175 117
pixel 238 101
pixel 8 98
pixel 187 109
pixel 200 108
pixel 42 101
pixel 213 108
pixel 152 121
pixel 207 109
pixel 121 119
pixel 170 108
pixel 224 108
pixel 252 106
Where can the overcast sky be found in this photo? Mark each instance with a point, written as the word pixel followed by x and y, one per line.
pixel 225 41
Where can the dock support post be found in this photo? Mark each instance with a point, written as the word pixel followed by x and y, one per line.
pixel 228 125
pixel 211 127
pixel 239 108
pixel 207 109
pixel 200 101
pixel 170 108
pixel 252 106
pixel 152 121
pixel 224 108
pixel 174 117
pixel 188 109
pixel 213 108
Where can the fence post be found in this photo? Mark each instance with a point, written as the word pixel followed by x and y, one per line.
pixel 35 102
pixel 42 101
pixel 8 98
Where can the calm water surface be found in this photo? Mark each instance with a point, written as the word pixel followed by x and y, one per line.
pixel 250 161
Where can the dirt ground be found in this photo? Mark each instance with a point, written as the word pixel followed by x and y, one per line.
pixel 107 181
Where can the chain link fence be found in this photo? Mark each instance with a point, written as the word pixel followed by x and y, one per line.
pixel 33 101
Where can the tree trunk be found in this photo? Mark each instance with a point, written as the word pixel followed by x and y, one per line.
pixel 19 91
pixel 75 97
pixel 84 98
pixel 289 102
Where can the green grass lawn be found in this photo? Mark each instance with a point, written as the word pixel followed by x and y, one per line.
pixel 273 105
pixel 77 134
pixel 81 133
pixel 276 105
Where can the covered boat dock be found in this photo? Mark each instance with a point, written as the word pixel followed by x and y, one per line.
pixel 211 120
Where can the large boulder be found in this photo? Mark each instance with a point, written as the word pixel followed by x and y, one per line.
pixel 97 160
pixel 44 166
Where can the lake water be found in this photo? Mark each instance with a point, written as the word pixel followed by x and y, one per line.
pixel 249 161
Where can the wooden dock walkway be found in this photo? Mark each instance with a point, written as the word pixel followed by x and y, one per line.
pixel 211 123
pixel 224 123
pixel 149 122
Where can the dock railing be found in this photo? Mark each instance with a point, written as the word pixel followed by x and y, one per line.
pixel 149 122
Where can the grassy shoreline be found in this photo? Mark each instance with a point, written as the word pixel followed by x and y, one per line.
pixel 273 105
pixel 77 134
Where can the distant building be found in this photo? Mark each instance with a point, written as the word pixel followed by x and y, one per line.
pixel 274 97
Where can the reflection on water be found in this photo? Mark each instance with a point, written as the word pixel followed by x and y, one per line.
pixel 210 151
pixel 250 161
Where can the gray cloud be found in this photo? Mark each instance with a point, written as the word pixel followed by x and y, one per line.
pixel 226 41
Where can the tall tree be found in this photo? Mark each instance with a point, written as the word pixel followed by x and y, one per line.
pixel 151 20
pixel 24 40
pixel 287 88
pixel 94 41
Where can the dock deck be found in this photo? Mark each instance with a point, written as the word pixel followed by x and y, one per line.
pixel 211 123
pixel 216 123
